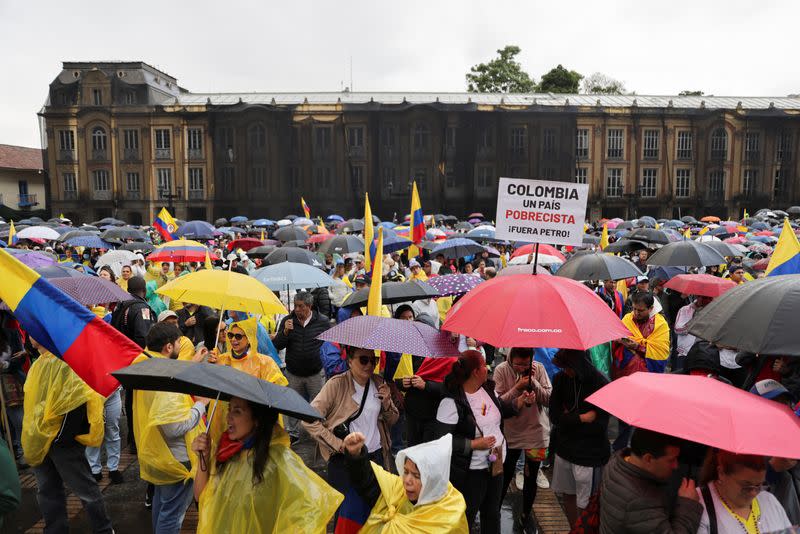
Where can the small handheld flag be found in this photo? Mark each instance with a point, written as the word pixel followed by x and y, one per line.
pixel 416 222
pixel 306 209
pixel 375 300
pixel 165 225
pixel 604 237
pixel 12 235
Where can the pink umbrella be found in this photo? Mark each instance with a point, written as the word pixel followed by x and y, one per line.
pixel 612 224
pixel 711 413
pixel 734 240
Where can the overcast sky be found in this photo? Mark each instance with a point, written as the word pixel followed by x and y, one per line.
pixel 733 47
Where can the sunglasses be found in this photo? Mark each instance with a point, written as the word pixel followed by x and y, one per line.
pixel 237 337
pixel 366 360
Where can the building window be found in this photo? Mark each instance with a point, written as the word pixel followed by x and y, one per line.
pixel 227 140
pixel 322 138
pixel 163 143
pixel 421 177
pixel 70 186
pixel 195 139
pixel 518 140
pixel 130 97
pixel 258 178
pixel 451 137
pixel 388 137
pixel 652 140
pixel 749 182
pixel 581 175
pixel 783 147
pixel 357 177
pixel 716 184
pixel 323 177
pixel 130 139
pixel 485 177
pixel 616 143
pixel 779 188
pixel 450 177
pixel 719 144
pixel 752 146
pixel 97 97
pixel 614 182
pixel 66 140
pixel 649 182
pixel 684 145
pixel 164 181
pixel 549 141
pixel 582 143
pixel 133 185
pixel 682 183
pixel 228 179
pixel 195 179
pixel 258 137
pixel 355 137
pixel 421 136
pixel 100 180
pixel 486 138
pixel 294 178
pixel 98 139
pixel 388 177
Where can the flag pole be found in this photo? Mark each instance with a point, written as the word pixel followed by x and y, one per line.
pixel 536 258
pixel 6 422
pixel 203 466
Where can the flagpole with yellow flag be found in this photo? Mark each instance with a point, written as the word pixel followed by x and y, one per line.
pixel 416 223
pixel 375 300
pixel 604 237
pixel 369 233
pixel 12 235
pixel 208 263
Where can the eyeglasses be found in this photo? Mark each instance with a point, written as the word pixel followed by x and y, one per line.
pixel 366 360
pixel 237 337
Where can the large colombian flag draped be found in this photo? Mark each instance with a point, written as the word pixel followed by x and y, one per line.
pixel 89 345
pixel 165 225
pixel 786 257
pixel 416 223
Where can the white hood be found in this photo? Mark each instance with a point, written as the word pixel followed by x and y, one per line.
pixel 433 461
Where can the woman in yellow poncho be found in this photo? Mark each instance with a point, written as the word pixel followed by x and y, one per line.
pixel 421 500
pixel 255 483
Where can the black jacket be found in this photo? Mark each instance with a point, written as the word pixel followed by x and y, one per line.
pixel 134 319
pixel 577 442
pixel 195 333
pixel 322 301
pixel 464 430
pixel 302 345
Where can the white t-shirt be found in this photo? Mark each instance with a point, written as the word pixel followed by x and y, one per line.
pixel 487 417
pixel 773 516
pixel 367 422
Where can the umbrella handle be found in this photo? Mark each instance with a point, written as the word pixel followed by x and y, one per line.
pixel 203 465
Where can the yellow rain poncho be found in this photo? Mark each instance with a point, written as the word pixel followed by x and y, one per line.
pixel 440 507
pixel 187 349
pixel 52 390
pixel 151 409
pixel 292 498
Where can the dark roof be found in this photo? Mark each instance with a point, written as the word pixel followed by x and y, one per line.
pixel 20 158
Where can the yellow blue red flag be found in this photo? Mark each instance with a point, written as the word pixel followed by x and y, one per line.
pixel 306 209
pixel 165 225
pixel 786 257
pixel 12 235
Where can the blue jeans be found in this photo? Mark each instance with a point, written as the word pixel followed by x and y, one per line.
pixel 170 503
pixel 111 439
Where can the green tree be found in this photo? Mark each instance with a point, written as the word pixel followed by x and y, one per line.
pixel 691 93
pixel 600 84
pixel 560 80
pixel 500 75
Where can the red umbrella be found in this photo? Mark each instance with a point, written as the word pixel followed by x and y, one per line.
pixel 550 250
pixel 734 240
pixel 245 243
pixel 320 238
pixel 765 233
pixel 700 284
pixel 761 265
pixel 711 413
pixel 535 311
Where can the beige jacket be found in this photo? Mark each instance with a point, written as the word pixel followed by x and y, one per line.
pixel 530 429
pixel 335 403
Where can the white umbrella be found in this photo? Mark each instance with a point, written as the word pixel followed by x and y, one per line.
pixel 302 221
pixel 116 259
pixel 283 222
pixel 705 237
pixel 38 232
pixel 544 259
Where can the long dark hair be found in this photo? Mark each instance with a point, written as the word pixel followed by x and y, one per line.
pixel 266 418
pixel 462 370
pixel 210 337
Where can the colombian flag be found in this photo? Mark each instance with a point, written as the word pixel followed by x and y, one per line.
pixel 12 235
pixel 431 369
pixel 416 222
pixel 306 209
pixel 89 345
pixel 604 237
pixel 369 235
pixel 786 257
pixel 165 225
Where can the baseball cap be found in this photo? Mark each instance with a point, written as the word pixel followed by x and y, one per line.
pixel 640 279
pixel 166 314
pixel 769 389
pixel 361 279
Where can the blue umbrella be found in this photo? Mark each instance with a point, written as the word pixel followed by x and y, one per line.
pixel 238 219
pixel 334 217
pixel 89 242
pixel 3 243
pixel 759 225
pixel 196 230
pixel 263 222
pixel 289 275
pixel 479 234
pixel 64 229
pixel 387 225
pixel 393 242
pixel 457 248
pixel 665 273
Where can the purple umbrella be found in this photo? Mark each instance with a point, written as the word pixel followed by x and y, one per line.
pixel 32 258
pixel 91 290
pixel 454 284
pixel 392 335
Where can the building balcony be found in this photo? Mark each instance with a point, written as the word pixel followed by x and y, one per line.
pixel 719 155
pixel 195 153
pixel 67 155
pixel 101 194
pixel 27 200
pixel 133 195
pixel 70 195
pixel 163 153
pixel 196 194
pixel 357 152
pixel 99 155
pixel 131 154
pixel 614 192
pixel 752 156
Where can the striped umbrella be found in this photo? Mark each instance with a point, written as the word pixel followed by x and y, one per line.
pixel 181 250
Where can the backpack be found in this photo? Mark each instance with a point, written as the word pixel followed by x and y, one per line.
pixel 589 520
pixel 119 317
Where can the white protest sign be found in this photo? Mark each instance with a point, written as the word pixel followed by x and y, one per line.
pixel 537 211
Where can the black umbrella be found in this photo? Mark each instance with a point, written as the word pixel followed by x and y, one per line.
pixel 296 243
pixel 464 226
pixel 59 271
pixel 109 221
pixel 395 292
pixel 758 316
pixel 124 232
pixel 291 233
pixel 649 235
pixel 686 254
pixel 210 380
pixel 76 233
pixel 221 222
pixel 598 266
pixel 457 248
pixel 261 252
pixel 626 245
pixel 793 210
pixel 723 248
pixel 342 244
pixel 294 255
pixel 351 226
pixel 146 248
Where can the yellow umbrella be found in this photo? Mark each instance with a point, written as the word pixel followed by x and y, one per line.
pixel 223 290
